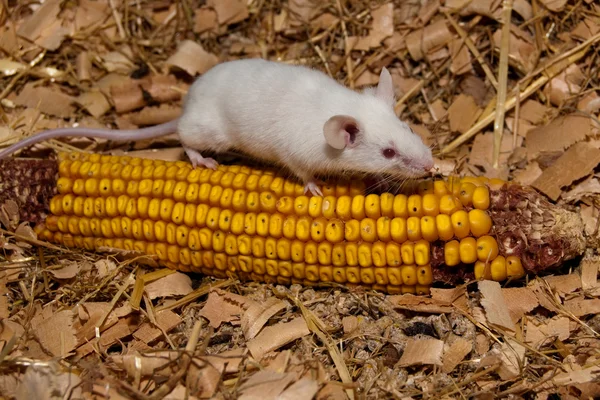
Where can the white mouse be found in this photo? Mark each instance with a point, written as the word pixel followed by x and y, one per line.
pixel 294 116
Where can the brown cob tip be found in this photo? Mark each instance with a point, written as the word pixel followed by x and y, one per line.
pixel 528 226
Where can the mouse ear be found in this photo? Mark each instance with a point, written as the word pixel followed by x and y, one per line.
pixel 385 88
pixel 340 131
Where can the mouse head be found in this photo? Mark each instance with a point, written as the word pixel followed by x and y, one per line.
pixel 377 136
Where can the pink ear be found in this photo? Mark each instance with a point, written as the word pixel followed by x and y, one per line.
pixel 385 88
pixel 340 131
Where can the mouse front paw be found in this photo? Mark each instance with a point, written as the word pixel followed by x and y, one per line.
pixel 311 186
pixel 196 159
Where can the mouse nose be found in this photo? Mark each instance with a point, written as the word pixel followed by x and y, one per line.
pixel 429 166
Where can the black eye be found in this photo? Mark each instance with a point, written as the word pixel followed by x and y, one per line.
pixel 389 153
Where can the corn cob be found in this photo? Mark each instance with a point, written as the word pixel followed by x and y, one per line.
pixel 254 224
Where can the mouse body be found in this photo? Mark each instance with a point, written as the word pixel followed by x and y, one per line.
pixel 291 115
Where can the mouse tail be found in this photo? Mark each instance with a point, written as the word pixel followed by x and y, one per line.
pixel 109 134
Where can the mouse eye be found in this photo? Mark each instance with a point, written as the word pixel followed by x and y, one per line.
pixel 389 153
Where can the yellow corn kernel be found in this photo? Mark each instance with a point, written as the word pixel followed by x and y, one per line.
pixel 262 224
pixel 481 198
pixel 425 186
pixel 303 228
pixel 465 194
pixel 514 267
pixel 429 229
pixel 408 253
pixel 415 205
pixel 413 228
pixel 422 252
pixel 315 205
pixel 275 225
pixel 285 205
pixel 448 204
pixel 317 229
pixel 378 254
pixel 480 222
pixel 452 253
pixel 398 230
pixel 460 224
pixel 368 230
pixel 487 248
pixel 367 276
pixel 334 231
pixel 343 207
pixel 253 202
pixel 443 224
pixel 482 270
pixel 468 250
pixel 498 269
pixel 453 185
pixel 387 204
pixel 289 227
pixel 250 224
pixel 324 252
pixel 393 254
pixel 328 207
pixel 301 205
pixel 338 255
pixel 431 205
pixel 440 188
pixel 271 248
pixel 351 254
pixel 424 275
pixel 381 276
pixel 311 253
pixel 267 202
pixel 383 225
pixel 357 207
pixel 409 274
pixel 238 201
pixel 372 206
pixel 364 255
pixel 401 206
pixel 496 184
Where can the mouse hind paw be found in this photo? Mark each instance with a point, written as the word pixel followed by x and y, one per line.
pixel 196 159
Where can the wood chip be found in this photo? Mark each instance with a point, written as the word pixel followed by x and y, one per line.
pixel 519 301
pixel 578 161
pixel 457 351
pixel 420 303
pixel 496 309
pixel 108 338
pixel 48 100
pixel 229 11
pixel 463 113
pixel 267 385
pixel 176 284
pixel 258 314
pixel 205 19
pixel 303 389
pixel 222 306
pixel 512 354
pixel 56 333
pixel 273 337
pixel 192 58
pixel 558 135
pixel 589 272
pixel 94 102
pixel 554 5
pixel 148 333
pixel 43 27
pixel 541 333
pixel 580 307
pixel 422 352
